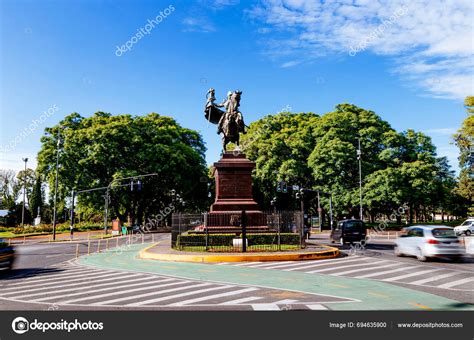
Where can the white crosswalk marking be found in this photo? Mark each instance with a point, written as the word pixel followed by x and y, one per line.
pixel 214 296
pixel 366 269
pixel 55 277
pixel 85 286
pixel 61 282
pixel 154 293
pixel 242 300
pixel 384 272
pixel 91 295
pixel 245 264
pixel 170 297
pixel 352 265
pixel 433 278
pixel 315 264
pixel 400 277
pixel 316 307
pixel 265 306
pixel 348 266
pixel 311 263
pixel 456 283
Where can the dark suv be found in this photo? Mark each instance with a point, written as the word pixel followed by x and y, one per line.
pixel 348 231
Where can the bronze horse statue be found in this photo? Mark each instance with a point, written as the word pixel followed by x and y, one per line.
pixel 230 123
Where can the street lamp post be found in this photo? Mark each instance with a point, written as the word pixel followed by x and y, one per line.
pixel 359 156
pixel 56 183
pixel 24 194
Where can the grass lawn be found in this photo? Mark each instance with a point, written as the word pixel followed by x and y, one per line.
pixel 9 234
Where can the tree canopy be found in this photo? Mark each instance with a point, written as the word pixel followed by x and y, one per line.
pixel 95 151
pixel 320 152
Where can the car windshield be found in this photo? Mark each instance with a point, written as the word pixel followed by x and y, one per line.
pixel 354 225
pixel 466 223
pixel 443 233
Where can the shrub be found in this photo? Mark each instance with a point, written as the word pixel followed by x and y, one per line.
pixel 267 238
pixel 192 239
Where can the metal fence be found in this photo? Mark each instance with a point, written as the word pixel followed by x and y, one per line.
pixel 238 231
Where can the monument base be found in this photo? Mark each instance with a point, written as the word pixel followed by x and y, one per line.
pixel 233 175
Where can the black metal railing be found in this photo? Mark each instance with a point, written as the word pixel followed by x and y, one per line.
pixel 238 231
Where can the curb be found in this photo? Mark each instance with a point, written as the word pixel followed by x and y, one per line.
pixel 319 255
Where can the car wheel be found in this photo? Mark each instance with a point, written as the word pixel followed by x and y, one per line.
pixel 468 233
pixel 341 241
pixel 420 256
pixel 397 251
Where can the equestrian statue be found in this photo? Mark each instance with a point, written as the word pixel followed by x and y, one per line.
pixel 230 123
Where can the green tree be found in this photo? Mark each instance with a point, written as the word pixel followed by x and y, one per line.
pixel 280 145
pixel 96 150
pixel 464 140
pixel 36 201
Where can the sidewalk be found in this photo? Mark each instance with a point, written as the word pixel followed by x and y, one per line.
pixel 60 237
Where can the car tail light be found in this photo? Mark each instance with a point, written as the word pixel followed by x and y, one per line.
pixel 432 242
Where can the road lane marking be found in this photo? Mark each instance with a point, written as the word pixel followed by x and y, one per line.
pixel 400 277
pixel 317 307
pixel 265 306
pixel 22 285
pixel 177 296
pixel 171 290
pixel 85 287
pixel 241 301
pixel 433 278
pixel 117 291
pixel 336 266
pixel 61 284
pixel 385 272
pixel 348 266
pixel 456 283
pixel 51 277
pixel 314 263
pixel 213 296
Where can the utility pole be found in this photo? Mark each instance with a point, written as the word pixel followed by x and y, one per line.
pixel 56 183
pixel 24 194
pixel 359 156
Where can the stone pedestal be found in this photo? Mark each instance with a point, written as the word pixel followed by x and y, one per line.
pixel 233 175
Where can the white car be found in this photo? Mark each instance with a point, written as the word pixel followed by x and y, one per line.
pixel 425 242
pixel 467 227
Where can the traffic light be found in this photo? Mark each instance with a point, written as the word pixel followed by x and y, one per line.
pixel 282 186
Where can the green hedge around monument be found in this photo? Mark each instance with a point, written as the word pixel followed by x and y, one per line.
pixel 189 240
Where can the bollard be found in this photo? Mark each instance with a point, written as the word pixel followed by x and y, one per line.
pixel 9 241
pixel 116 242
pixel 98 246
pixel 24 239
pixel 388 235
pixel 106 244
pixel 152 238
pixel 88 235
pixel 88 247
pixel 77 250
pixel 143 238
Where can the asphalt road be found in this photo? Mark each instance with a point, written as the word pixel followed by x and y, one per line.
pixel 382 249
pixel 46 276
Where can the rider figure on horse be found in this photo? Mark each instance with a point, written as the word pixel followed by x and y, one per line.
pixel 229 122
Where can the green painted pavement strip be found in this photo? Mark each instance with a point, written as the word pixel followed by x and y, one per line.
pixel 373 295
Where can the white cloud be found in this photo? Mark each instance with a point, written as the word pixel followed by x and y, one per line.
pixel 198 25
pixel 290 63
pixel 430 41
pixel 441 131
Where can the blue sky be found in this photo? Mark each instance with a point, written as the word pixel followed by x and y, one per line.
pixel 414 71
